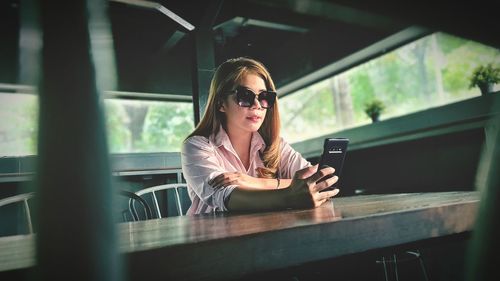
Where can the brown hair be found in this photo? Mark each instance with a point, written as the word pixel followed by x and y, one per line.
pixel 227 76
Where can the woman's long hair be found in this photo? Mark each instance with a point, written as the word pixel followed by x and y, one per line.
pixel 227 76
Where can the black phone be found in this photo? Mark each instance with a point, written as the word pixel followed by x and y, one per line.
pixel 334 152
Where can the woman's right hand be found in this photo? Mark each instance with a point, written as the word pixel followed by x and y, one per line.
pixel 304 191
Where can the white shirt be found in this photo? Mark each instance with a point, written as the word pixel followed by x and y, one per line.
pixel 205 158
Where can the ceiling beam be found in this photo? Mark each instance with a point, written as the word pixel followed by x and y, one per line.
pixel 374 50
pixel 333 12
pixel 159 7
pixel 476 20
pixel 241 21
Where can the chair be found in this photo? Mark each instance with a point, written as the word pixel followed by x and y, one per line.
pixel 179 191
pixel 18 199
pixel 405 257
pixel 132 210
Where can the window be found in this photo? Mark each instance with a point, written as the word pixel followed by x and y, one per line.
pixel 132 125
pixel 147 126
pixel 429 72
pixel 18 124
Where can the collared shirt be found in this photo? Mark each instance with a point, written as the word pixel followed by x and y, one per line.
pixel 205 158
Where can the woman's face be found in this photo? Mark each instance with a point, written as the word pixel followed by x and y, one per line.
pixel 245 119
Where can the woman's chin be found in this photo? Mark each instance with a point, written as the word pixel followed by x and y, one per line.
pixel 253 127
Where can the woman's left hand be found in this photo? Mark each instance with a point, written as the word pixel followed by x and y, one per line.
pixel 234 178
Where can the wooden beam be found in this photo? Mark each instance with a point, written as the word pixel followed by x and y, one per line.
pixel 76 229
pixel 204 59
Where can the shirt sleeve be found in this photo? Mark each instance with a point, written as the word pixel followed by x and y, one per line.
pixel 291 161
pixel 199 166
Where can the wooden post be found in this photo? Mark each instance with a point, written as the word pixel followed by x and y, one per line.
pixel 482 252
pixel 204 59
pixel 76 231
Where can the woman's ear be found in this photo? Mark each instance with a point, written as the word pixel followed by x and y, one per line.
pixel 222 108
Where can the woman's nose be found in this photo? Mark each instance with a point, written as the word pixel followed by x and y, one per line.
pixel 256 104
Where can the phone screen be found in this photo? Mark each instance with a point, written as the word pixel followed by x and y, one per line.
pixel 334 152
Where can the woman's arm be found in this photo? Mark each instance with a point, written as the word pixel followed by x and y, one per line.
pixel 246 181
pixel 199 165
pixel 303 192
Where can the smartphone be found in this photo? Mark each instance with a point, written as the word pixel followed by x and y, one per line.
pixel 334 152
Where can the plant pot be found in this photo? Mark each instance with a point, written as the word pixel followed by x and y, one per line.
pixel 375 117
pixel 486 88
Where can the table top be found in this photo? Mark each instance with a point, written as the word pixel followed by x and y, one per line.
pixel 222 245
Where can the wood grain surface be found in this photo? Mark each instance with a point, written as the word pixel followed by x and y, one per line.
pixel 223 246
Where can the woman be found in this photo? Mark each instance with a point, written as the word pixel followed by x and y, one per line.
pixel 236 160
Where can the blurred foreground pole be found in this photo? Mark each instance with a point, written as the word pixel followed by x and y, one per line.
pixel 483 252
pixel 76 232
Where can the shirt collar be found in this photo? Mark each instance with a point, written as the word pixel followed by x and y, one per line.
pixel 222 139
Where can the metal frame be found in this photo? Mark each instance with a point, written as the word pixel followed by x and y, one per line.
pixel 153 189
pixel 18 198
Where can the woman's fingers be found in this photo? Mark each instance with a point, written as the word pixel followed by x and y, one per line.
pixel 324 184
pixel 328 194
pixel 306 172
pixel 221 179
pixel 320 174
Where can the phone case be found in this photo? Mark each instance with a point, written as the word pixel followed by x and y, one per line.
pixel 334 152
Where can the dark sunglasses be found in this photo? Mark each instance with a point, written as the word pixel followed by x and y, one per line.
pixel 246 97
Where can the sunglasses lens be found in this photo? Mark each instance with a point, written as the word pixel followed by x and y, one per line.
pixel 267 99
pixel 245 97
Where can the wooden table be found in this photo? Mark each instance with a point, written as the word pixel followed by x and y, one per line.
pixel 219 246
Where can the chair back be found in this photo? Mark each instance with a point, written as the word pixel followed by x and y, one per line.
pixel 175 193
pixel 132 211
pixel 22 199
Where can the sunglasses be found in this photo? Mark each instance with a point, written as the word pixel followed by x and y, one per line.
pixel 246 97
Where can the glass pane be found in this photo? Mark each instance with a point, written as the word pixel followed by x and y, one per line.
pixel 147 126
pixel 18 124
pixel 432 71
pixel 132 126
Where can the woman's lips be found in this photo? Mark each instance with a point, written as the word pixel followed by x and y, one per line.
pixel 254 118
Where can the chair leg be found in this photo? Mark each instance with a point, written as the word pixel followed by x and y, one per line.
pixel 396 267
pixel 422 266
pixel 385 269
pixel 417 254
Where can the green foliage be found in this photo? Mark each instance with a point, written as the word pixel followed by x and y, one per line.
pixel 118 135
pixel 307 113
pixel 449 43
pixel 484 74
pixel 166 126
pixel 397 77
pixel 361 90
pixel 406 79
pixel 374 107
pixel 453 76
pixel 18 124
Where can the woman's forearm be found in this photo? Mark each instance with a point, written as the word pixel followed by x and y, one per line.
pixel 265 183
pixel 252 199
pixel 304 191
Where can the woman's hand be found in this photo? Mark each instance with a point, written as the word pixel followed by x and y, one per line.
pixel 234 178
pixel 304 191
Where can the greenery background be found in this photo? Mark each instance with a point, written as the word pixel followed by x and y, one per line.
pixel 429 72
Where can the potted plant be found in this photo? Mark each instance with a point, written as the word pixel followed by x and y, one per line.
pixel 374 108
pixel 484 77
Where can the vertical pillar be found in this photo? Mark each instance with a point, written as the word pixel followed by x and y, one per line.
pixel 76 238
pixel 204 59
pixel 482 252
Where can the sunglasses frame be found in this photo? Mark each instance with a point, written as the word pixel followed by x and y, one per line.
pixel 240 99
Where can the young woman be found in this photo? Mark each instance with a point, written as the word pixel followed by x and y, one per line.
pixel 236 160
